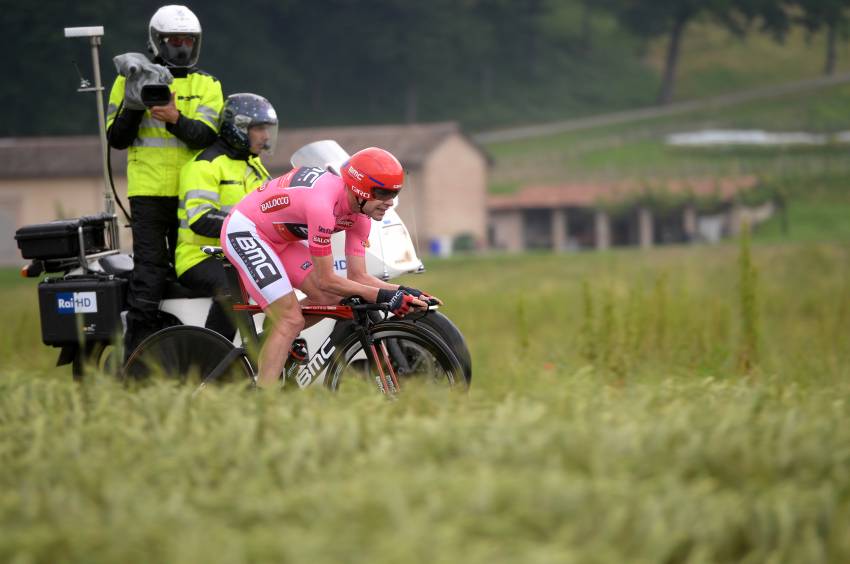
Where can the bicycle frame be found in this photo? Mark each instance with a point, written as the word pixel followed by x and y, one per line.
pixel 314 369
pixel 388 382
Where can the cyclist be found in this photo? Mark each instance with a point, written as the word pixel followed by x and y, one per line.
pixel 263 238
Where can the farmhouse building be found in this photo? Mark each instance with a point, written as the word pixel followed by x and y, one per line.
pixel 602 215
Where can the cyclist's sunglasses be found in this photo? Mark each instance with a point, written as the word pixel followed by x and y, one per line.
pixel 384 193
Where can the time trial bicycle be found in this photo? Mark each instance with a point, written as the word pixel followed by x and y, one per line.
pixel 365 344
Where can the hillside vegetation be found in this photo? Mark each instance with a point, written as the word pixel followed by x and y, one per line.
pixel 487 64
pixel 814 180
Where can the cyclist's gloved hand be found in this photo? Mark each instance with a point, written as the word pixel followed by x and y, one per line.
pixel 416 293
pixel 412 291
pixel 398 302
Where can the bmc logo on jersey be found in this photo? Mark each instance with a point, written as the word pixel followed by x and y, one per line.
pixel 254 258
pixel 319 240
pixel 274 204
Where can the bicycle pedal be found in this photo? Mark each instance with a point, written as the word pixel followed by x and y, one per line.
pixel 298 350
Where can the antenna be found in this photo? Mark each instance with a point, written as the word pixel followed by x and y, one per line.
pixel 95 35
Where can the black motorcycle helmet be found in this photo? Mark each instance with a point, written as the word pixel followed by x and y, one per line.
pixel 242 112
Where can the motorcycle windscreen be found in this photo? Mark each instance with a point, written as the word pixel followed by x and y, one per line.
pixel 325 154
pixel 390 252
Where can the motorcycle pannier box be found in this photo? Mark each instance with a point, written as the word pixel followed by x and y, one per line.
pixel 81 309
pixel 61 239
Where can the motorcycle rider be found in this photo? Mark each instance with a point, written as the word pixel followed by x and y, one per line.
pixel 210 185
pixel 160 140
pixel 262 237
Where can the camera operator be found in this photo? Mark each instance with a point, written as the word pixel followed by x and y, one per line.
pixel 160 140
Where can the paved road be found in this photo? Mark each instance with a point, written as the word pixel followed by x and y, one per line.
pixel 527 132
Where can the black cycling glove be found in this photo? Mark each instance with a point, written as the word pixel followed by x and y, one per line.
pixel 398 302
pixel 420 295
pixel 411 291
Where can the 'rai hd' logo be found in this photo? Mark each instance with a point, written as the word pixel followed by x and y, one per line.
pixel 76 302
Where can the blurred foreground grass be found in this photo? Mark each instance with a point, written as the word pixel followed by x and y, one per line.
pixel 609 420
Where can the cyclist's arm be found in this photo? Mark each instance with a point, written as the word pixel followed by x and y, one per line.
pixel 356 272
pixel 356 242
pixel 328 281
pixel 320 226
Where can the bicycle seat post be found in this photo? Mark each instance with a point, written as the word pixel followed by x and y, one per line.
pixel 243 314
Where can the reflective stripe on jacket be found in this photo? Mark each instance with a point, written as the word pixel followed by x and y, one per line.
pixel 212 182
pixel 156 156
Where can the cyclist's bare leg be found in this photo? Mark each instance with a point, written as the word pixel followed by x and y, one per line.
pixel 315 296
pixel 287 322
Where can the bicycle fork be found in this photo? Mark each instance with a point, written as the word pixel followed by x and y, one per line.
pixel 387 381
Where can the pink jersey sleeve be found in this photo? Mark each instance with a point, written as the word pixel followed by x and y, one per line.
pixel 357 237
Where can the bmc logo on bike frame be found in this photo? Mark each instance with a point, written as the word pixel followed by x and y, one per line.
pixel 316 365
pixel 255 258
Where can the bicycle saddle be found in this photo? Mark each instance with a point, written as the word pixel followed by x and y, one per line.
pixel 212 251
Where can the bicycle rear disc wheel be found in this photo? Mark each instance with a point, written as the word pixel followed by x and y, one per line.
pixel 417 353
pixel 186 354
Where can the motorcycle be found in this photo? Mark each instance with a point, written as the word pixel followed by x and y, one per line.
pixel 82 295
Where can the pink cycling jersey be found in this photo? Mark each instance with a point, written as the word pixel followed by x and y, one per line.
pixel 307 203
pixel 263 235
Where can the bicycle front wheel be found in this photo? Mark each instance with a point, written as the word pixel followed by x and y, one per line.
pixel 186 354
pixel 416 354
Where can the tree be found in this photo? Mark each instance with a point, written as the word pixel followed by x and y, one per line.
pixel 833 15
pixel 654 18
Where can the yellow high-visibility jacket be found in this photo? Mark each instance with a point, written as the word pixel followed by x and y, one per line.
pixel 210 185
pixel 155 157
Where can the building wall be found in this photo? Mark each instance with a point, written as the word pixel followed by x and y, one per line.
pixel 507 228
pixel 453 199
pixel 410 208
pixel 29 201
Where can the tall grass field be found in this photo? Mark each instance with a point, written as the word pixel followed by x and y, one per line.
pixel 680 405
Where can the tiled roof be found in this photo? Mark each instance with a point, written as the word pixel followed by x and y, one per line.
pixel 590 194
pixel 410 143
pixel 36 157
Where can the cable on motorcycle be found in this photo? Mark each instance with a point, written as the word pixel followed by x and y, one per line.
pixel 109 173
